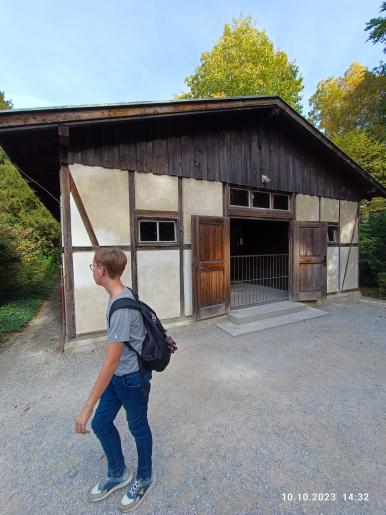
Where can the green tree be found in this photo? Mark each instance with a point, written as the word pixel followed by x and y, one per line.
pixel 5 104
pixel 373 249
pixel 355 101
pixel 377 28
pixel 243 62
pixel 370 153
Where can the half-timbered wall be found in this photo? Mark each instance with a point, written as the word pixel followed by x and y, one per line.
pixel 164 275
pixel 342 258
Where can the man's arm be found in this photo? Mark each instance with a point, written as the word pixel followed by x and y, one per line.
pixel 113 355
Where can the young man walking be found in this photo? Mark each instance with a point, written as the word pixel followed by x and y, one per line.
pixel 119 384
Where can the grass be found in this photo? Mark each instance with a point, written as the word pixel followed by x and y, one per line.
pixel 18 311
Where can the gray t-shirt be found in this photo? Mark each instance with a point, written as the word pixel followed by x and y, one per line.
pixel 126 325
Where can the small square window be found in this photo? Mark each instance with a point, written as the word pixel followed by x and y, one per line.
pixel 281 202
pixel 332 234
pixel 147 231
pixel 260 199
pixel 167 231
pixel 157 231
pixel 239 197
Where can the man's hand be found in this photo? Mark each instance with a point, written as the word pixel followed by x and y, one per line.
pixel 171 344
pixel 82 419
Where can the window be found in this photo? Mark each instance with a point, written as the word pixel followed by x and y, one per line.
pixel 239 197
pixel 281 202
pixel 163 231
pixel 332 234
pixel 260 199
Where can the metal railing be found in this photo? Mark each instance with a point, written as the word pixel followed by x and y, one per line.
pixel 258 279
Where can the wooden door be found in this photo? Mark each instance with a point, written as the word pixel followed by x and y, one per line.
pixel 210 266
pixel 309 245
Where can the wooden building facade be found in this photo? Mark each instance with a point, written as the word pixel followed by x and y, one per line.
pixel 217 204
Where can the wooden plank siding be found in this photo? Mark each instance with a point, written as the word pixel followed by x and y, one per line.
pixel 235 149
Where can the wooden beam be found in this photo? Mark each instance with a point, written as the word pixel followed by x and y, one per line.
pixel 144 213
pixel 133 232
pixel 181 241
pixel 264 214
pixel 64 175
pixel 90 249
pixel 83 213
pixel 64 143
pixel 225 198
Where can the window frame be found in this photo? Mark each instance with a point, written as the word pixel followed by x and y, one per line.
pixel 333 225
pixel 157 242
pixel 257 191
pixel 240 189
pixel 271 200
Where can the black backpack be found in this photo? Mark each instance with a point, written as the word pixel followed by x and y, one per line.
pixel 155 353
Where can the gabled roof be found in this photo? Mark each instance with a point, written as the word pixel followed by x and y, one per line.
pixel 41 126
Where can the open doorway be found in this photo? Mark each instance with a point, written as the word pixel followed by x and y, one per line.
pixel 259 251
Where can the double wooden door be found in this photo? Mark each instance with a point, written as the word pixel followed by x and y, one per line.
pixel 211 263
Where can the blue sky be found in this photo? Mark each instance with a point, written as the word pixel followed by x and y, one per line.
pixel 82 52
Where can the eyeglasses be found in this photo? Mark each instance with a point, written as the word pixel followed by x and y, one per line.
pixel 92 266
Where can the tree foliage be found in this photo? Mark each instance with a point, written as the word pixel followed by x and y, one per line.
pixel 356 101
pixel 29 235
pixel 243 62
pixel 373 249
pixel 5 104
pixel 377 28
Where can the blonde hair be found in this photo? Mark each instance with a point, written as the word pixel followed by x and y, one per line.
pixel 113 259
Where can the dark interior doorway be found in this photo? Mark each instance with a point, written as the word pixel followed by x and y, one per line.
pixel 259 261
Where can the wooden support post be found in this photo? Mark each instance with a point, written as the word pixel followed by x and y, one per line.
pixel 133 232
pixel 69 303
pixel 181 245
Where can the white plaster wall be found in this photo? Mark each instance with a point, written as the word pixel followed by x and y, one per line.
pixel 332 269
pixel 200 198
pixel 351 280
pixel 105 196
pixel 159 281
pixel 348 212
pixel 188 282
pixel 307 208
pixel 91 299
pixel 78 230
pixel 329 210
pixel 158 192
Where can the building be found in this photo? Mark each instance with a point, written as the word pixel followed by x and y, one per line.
pixel 217 203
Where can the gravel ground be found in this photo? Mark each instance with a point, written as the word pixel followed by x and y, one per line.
pixel 237 422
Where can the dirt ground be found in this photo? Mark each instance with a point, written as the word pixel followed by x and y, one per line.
pixel 288 420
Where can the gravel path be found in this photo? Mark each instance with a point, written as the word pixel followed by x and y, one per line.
pixel 237 422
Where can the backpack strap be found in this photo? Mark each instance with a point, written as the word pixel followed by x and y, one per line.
pixel 125 303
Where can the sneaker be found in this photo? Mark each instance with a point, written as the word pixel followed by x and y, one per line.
pixel 136 493
pixel 104 489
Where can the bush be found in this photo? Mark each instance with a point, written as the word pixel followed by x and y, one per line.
pixel 373 249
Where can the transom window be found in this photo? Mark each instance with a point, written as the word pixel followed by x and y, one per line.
pixel 239 197
pixel 163 231
pixel 259 199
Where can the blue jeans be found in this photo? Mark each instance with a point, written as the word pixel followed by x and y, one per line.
pixel 125 391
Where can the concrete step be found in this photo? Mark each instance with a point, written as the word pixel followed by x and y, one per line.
pixel 255 313
pixel 269 323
